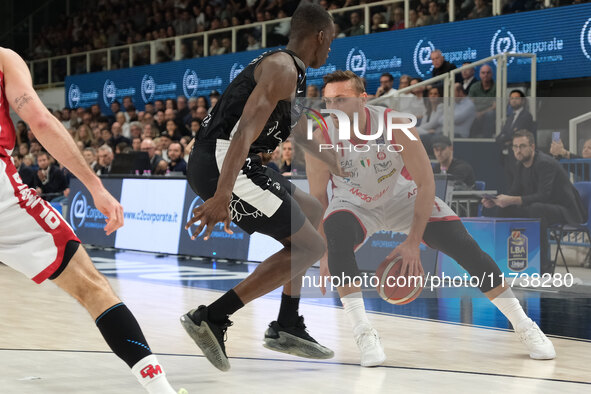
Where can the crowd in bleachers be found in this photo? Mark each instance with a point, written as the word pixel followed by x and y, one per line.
pixel 109 23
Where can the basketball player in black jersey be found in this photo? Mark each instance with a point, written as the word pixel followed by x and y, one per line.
pixel 252 117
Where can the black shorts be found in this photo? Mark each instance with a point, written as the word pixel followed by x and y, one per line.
pixel 261 199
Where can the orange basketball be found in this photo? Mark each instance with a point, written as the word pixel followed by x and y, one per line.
pixel 393 287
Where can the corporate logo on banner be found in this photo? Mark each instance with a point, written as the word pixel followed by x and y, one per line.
pixel 586 39
pixel 360 64
pixel 219 228
pixel 235 70
pixel 503 41
pixel 77 98
pixel 422 57
pixel 84 215
pixel 111 93
pixel 190 83
pixel 151 90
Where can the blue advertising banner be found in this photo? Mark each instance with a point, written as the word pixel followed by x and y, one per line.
pixel 560 37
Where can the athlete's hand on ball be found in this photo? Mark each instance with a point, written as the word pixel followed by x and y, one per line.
pixel 109 207
pixel 411 259
pixel 210 213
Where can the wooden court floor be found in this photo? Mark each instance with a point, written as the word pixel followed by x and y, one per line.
pixel 48 344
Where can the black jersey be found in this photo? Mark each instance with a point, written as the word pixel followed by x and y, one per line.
pixel 223 120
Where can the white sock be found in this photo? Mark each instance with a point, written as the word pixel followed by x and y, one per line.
pixel 355 311
pixel 151 375
pixel 510 307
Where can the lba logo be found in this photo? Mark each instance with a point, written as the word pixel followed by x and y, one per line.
pixel 190 83
pixel 109 92
pixel 148 88
pixel 503 41
pixel 78 211
pixel 586 39
pixel 422 57
pixel 74 96
pixel 357 62
pixel 235 70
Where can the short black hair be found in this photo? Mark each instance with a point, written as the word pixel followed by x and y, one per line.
pixel 521 94
pixel 390 77
pixel 309 19
pixel 525 133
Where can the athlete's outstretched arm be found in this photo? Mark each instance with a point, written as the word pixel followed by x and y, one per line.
pixel 313 146
pixel 418 165
pixel 276 78
pixel 53 136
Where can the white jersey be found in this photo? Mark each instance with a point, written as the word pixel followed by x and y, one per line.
pixel 375 166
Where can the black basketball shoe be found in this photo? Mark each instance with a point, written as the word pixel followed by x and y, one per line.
pixel 209 336
pixel 295 341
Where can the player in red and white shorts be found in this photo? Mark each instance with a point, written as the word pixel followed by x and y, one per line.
pixel 390 186
pixel 36 240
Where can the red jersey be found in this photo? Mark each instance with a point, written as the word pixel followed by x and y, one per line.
pixel 7 130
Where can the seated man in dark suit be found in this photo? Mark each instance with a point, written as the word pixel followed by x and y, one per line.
pixel 447 163
pixel 176 162
pixel 520 119
pixel 541 189
pixel 49 180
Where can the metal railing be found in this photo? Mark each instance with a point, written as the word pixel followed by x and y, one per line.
pixel 85 62
pixel 572 130
pixel 448 81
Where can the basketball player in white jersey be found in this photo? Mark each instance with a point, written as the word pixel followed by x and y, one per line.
pixel 391 187
pixel 36 240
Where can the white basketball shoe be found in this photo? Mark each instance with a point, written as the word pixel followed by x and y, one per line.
pixel 372 352
pixel 536 342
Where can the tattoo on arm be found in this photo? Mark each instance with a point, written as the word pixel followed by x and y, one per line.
pixel 21 101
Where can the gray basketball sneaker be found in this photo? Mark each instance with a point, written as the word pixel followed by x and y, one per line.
pixel 295 341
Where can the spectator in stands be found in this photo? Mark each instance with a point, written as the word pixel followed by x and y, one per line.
pixel 136 143
pixel 27 173
pixel 481 10
pixel 159 106
pixel 483 94
pixel 378 23
pixel 182 108
pixel 433 121
pixel 468 78
pixel 519 119
pixel 435 16
pixel 464 113
pixel 286 157
pixel 49 181
pixel 172 130
pixel 160 121
pixel 149 131
pixel 157 163
pixel 442 66
pixel 127 103
pixel 121 121
pixel 214 96
pixel 149 108
pixel 541 189
pixel 386 83
pixel 312 91
pixel 253 43
pixel 135 130
pixel 105 160
pixel 162 144
pixel 176 162
pixel 90 157
pixel 117 137
pixel 413 18
pixel 357 28
pixel 415 102
pixel 66 117
pixel 200 113
pixel 559 152
pixel 84 134
pixel 202 102
pixel 397 19
pixel 195 127
pixel 448 164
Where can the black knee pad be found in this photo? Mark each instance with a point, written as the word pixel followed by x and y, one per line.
pixel 343 234
pixel 452 239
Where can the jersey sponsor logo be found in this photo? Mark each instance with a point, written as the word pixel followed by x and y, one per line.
pixel 346 164
pixel 356 192
pixel 190 83
pixel 150 371
pixel 388 175
pixel 412 193
pixel 381 155
pixel 30 199
pixel 382 166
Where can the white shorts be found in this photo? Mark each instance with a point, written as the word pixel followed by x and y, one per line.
pixel 394 213
pixel 33 235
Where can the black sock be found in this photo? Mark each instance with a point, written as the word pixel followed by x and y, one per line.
pixel 224 306
pixel 288 312
pixel 123 334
